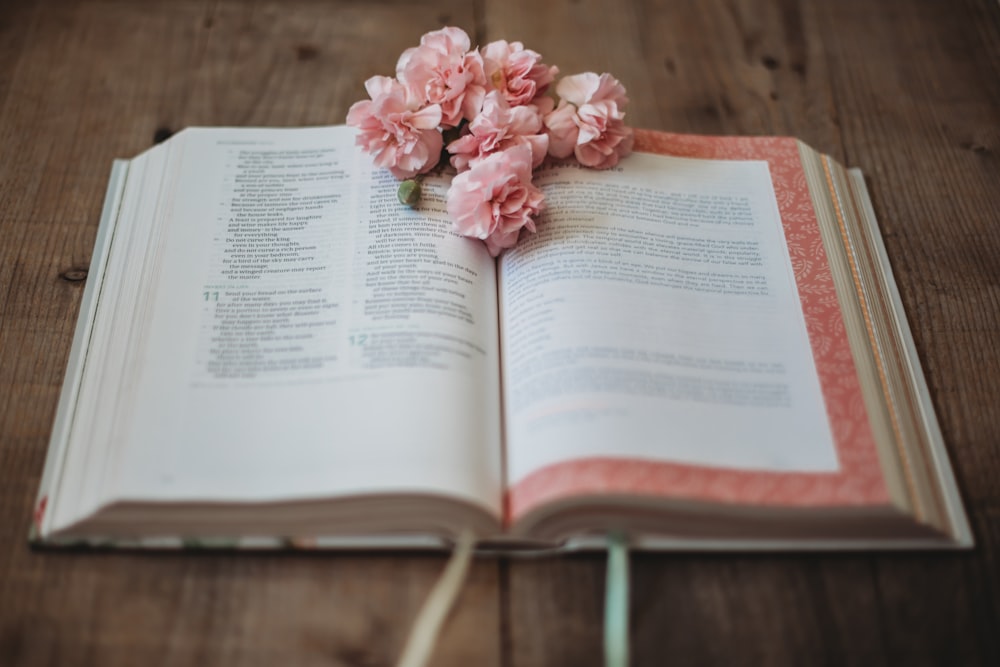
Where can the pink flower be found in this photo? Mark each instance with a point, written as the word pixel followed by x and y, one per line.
pixel 589 121
pixel 443 71
pixel 516 72
pixel 588 88
pixel 563 130
pixel 401 136
pixel 498 127
pixel 495 199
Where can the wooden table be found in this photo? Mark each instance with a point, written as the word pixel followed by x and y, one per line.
pixel 908 91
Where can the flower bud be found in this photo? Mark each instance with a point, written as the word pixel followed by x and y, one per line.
pixel 409 192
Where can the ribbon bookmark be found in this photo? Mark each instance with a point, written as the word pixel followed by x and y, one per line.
pixel 424 634
pixel 616 587
pixel 425 630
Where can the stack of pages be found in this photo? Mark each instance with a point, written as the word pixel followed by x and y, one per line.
pixel 702 348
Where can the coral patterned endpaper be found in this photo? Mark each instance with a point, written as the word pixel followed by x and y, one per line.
pixel 859 480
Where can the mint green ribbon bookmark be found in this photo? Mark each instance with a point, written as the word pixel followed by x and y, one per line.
pixel 616 587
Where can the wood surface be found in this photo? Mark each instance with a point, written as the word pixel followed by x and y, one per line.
pixel 908 91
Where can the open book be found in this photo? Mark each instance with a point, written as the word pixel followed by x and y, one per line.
pixel 703 348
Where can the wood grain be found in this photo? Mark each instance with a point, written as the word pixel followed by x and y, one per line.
pixel 908 91
pixel 909 94
pixel 90 81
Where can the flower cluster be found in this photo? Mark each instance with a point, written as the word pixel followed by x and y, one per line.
pixel 492 106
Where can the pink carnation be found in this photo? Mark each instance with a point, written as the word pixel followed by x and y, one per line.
pixel 589 121
pixel 443 71
pixel 495 199
pixel 402 138
pixel 516 72
pixel 498 127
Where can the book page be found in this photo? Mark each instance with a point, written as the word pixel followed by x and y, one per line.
pixel 308 336
pixel 655 316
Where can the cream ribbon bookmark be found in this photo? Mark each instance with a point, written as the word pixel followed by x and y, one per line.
pixel 425 630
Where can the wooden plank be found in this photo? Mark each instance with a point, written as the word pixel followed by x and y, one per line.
pixel 811 70
pixel 908 91
pixel 927 87
pixel 710 68
pixel 124 609
pixel 931 148
pixel 84 83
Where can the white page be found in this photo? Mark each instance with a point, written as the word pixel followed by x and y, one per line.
pixel 308 335
pixel 655 316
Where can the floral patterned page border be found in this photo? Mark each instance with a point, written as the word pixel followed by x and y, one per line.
pixel 858 482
